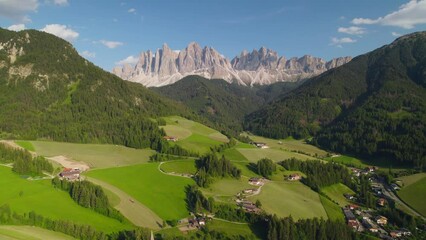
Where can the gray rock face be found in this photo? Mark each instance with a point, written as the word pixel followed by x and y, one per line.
pixel 262 66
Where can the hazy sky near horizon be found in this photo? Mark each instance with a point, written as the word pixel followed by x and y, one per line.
pixel 109 31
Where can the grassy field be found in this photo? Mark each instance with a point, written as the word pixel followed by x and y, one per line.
pixel 163 194
pixel 179 166
pixel 336 192
pixel 95 155
pixel 290 198
pixel 408 180
pixel 255 154
pixel 347 161
pixel 414 194
pixel 290 144
pixel 49 202
pixel 334 212
pixel 132 209
pixel 30 233
pixel 192 135
pixel 27 145
pixel 225 189
pixel 231 228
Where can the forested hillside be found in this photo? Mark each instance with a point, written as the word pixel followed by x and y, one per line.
pixel 374 105
pixel 224 104
pixel 47 90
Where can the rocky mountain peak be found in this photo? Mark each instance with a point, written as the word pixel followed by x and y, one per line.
pixel 262 66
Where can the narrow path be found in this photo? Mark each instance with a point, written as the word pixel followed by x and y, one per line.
pixel 136 212
pixel 223 220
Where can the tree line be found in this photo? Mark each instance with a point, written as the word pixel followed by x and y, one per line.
pixel 319 174
pixel 88 195
pixel 210 166
pixel 23 161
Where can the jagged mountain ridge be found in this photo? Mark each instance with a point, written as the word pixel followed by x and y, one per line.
pixel 260 67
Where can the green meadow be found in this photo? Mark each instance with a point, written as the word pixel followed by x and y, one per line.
pixel 49 202
pixel 336 191
pixel 289 144
pixel 225 189
pixel 95 155
pixel 8 232
pixel 414 192
pixel 27 145
pixel 334 212
pixel 290 198
pixel 192 135
pixel 162 193
pixel 255 154
pixel 232 228
pixel 179 166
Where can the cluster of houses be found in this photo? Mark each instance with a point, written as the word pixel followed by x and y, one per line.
pixel 248 206
pixel 194 222
pixel 368 220
pixel 70 174
pixel 171 138
pixel 358 172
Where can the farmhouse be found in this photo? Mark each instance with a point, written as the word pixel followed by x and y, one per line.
pixel 349 215
pixel 256 181
pixel 170 138
pixel 381 202
pixel 249 191
pixel 70 174
pixel 348 196
pixel 381 220
pixel 294 177
pixel 260 144
pixel 352 206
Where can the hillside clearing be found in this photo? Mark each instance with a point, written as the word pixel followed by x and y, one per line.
pixel 336 191
pixel 95 155
pixel 290 198
pixel 414 195
pixel 193 136
pixel 179 166
pixel 132 209
pixel 163 194
pixel 49 202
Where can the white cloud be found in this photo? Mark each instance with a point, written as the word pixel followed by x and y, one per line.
pixel 88 54
pixel 132 10
pixel 60 2
pixel 407 16
pixel 61 31
pixel 339 41
pixel 353 30
pixel 17 27
pixel 395 34
pixel 128 60
pixel 111 44
pixel 18 10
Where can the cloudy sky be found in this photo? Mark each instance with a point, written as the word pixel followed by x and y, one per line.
pixel 109 32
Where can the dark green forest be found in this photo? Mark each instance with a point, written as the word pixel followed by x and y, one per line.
pixel 373 106
pixel 51 92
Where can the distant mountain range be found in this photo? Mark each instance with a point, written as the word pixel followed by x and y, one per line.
pixel 260 67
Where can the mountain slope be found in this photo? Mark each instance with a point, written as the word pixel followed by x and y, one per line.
pixel 373 106
pixel 48 91
pixel 260 67
pixel 224 104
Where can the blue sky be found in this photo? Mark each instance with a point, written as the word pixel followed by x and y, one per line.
pixel 108 31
